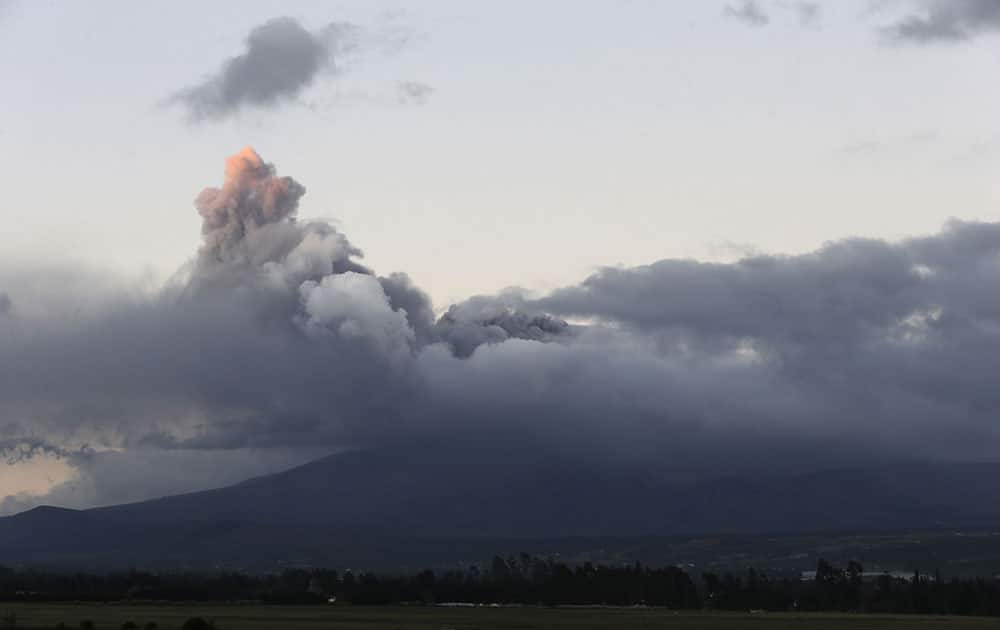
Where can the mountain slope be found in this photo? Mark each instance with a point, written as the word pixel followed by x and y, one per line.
pixel 393 507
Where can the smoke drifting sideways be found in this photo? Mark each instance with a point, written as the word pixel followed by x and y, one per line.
pixel 281 60
pixel 946 21
pixel 276 344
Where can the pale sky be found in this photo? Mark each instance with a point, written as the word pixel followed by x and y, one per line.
pixel 538 142
pixel 559 136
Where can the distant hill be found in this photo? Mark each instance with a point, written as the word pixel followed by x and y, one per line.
pixel 414 507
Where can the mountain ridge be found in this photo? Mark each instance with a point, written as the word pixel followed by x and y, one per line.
pixel 356 508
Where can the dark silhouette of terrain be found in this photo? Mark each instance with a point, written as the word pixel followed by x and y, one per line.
pixel 412 507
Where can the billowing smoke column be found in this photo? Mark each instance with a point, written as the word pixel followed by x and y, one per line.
pixel 278 341
pixel 252 196
pixel 252 240
pixel 481 320
pixel 251 235
pixel 275 338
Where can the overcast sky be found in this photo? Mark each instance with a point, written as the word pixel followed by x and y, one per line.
pixel 478 146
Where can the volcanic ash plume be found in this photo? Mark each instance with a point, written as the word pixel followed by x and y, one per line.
pixel 281 343
pixel 252 241
pixel 481 320
pixel 251 196
pixel 251 237
pixel 281 59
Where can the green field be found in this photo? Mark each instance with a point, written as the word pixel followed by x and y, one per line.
pixel 255 617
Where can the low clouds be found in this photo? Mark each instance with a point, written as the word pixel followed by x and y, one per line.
pixel 277 340
pixel 947 21
pixel 282 59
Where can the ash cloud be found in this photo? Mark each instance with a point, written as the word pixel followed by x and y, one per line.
pixel 276 339
pixel 753 13
pixel 947 21
pixel 808 13
pixel 749 12
pixel 488 320
pixel 23 448
pixel 413 92
pixel 280 60
pixel 251 198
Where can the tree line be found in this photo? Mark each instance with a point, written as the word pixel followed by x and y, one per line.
pixel 528 580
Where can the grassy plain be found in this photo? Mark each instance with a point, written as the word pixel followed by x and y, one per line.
pixel 257 617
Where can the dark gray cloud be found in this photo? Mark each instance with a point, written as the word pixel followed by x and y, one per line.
pixel 19 449
pixel 753 13
pixel 749 12
pixel 860 328
pixel 281 59
pixel 947 21
pixel 277 341
pixel 488 320
pixel 191 376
